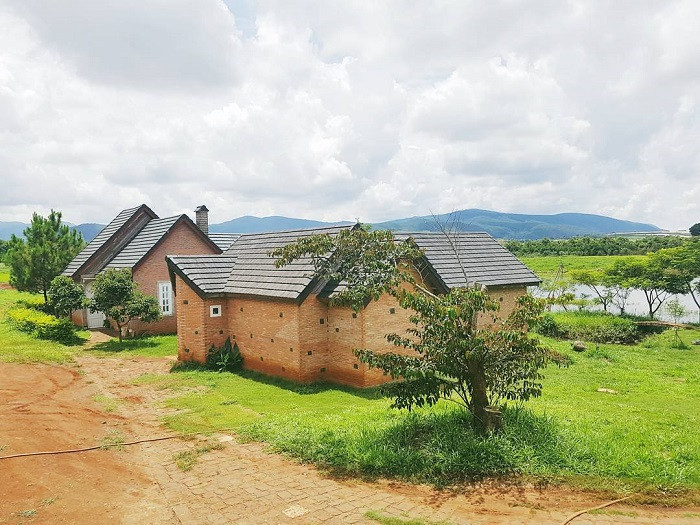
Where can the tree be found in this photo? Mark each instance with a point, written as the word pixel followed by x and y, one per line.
pixel 455 356
pixel 117 295
pixel 47 250
pixel 596 281
pixel 648 275
pixel 3 249
pixel 682 266
pixel 676 310
pixel 695 230
pixel 66 296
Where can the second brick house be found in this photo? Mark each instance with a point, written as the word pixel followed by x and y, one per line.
pixel 139 240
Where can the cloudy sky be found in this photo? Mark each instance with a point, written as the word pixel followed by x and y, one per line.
pixel 339 110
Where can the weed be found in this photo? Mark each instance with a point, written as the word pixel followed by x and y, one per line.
pixel 187 459
pixel 109 404
pixel 30 513
pixel 113 440
pixel 613 512
pixel 391 520
pixel 48 501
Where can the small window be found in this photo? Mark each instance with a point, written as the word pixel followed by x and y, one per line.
pixel 165 297
pixel 215 310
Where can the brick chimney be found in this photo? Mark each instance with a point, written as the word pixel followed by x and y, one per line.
pixel 202 218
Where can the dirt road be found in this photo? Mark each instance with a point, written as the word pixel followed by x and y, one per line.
pixel 46 407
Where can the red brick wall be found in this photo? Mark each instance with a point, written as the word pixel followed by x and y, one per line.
pixel 266 329
pixel 275 336
pixel 181 240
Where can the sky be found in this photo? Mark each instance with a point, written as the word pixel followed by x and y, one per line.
pixel 336 110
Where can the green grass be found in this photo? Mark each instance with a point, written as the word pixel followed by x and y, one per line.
pixel 19 347
pixel 152 346
pixel 639 438
pixel 4 273
pixel 382 519
pixel 546 267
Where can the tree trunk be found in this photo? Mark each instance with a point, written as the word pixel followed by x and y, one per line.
pixel 46 297
pixel 119 330
pixel 480 400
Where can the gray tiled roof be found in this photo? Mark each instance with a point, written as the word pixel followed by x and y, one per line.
pixel 209 273
pixel 99 241
pixel 247 269
pixel 482 260
pixel 254 272
pixel 224 240
pixel 144 241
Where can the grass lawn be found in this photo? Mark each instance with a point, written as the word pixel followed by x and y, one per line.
pixel 4 273
pixel 546 266
pixel 152 346
pixel 639 438
pixel 19 347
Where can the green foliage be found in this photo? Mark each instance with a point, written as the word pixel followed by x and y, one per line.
pixel 226 358
pixel 681 266
pixel 45 251
pixel 593 246
pixel 66 296
pixel 21 347
pixel 3 249
pixel 695 229
pixel 116 294
pixel 651 275
pixel 597 327
pixel 41 325
pixel 456 359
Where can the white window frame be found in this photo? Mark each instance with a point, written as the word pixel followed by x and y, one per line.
pixel 165 300
pixel 211 310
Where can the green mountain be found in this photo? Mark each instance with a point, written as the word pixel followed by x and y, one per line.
pixel 500 225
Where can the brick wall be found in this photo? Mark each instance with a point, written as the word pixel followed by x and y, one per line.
pixel 282 338
pixel 181 240
pixel 267 333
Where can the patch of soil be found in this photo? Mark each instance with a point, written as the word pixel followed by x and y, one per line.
pixel 46 408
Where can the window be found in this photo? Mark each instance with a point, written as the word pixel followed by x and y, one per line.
pixel 165 297
pixel 215 311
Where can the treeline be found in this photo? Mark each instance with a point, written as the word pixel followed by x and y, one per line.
pixel 594 246
pixel 659 275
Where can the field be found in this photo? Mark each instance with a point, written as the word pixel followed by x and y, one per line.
pixel 4 274
pixel 547 267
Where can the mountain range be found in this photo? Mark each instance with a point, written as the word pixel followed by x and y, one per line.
pixel 500 225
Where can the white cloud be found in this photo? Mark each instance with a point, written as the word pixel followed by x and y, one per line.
pixel 341 110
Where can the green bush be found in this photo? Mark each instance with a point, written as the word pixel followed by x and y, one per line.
pixel 596 327
pixel 41 325
pixel 36 303
pixel 226 358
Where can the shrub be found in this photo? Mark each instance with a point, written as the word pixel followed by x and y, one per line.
pixel 590 326
pixel 36 303
pixel 226 358
pixel 41 325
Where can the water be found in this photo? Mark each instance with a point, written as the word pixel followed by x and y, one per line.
pixel 636 304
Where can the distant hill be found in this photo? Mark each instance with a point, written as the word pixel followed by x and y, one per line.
pixel 520 226
pixel 250 224
pixel 8 229
pixel 89 230
pixel 500 225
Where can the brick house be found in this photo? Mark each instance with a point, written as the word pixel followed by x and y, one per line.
pixel 139 240
pixel 281 318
